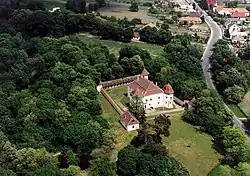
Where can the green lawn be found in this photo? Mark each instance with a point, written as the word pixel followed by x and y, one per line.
pixel 186 144
pixel 191 147
pixel 114 46
pixel 236 110
pixel 122 137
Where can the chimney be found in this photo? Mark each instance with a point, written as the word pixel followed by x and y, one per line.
pixel 138 77
pixel 156 83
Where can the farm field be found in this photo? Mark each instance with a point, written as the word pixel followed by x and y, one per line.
pixel 185 143
pixel 121 10
pixel 245 104
pixel 115 46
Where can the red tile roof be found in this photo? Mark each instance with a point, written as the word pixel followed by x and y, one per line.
pixel 195 19
pixel 144 87
pixel 211 2
pixel 128 119
pixel 168 89
pixel 238 15
pixel 144 72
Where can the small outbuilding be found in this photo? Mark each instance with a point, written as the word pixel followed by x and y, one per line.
pixel 129 122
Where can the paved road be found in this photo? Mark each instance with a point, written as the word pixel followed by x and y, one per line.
pixel 215 35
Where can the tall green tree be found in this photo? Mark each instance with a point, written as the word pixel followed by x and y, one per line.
pixel 78 6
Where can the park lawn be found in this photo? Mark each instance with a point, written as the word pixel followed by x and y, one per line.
pixel 122 137
pixel 191 147
pixel 236 110
pixel 114 46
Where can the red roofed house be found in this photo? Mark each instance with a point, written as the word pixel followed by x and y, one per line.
pixel 129 122
pixel 152 96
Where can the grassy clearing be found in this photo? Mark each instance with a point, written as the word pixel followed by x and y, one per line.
pixel 115 46
pixel 237 111
pixel 191 147
pixel 121 10
pixel 245 104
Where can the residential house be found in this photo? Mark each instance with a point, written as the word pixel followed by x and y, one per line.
pixel 233 12
pixel 184 20
pixel 233 27
pixel 237 33
pixel 151 95
pixel 237 39
pixel 129 122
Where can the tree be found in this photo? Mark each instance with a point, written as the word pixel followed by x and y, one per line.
pixel 234 142
pixel 78 6
pixel 29 159
pixel 127 161
pixel 134 7
pixel 234 94
pixel 162 125
pixel 221 170
pixel 242 169
pixel 132 66
pixel 232 4
pixel 102 166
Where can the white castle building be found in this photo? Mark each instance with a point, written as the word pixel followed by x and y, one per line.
pixel 151 95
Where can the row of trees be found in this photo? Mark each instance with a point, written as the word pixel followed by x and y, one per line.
pixel 230 73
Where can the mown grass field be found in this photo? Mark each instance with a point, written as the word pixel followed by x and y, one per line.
pixel 185 143
pixel 115 46
pixel 245 104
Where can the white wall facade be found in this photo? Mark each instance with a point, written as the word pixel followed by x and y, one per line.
pixel 132 127
pixel 158 100
pixel 153 101
pixel 234 27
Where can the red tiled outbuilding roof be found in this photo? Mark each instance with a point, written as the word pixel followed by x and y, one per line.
pixel 144 72
pixel 128 119
pixel 168 89
pixel 144 87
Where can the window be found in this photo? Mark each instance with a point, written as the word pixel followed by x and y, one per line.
pixel 146 100
pixel 158 102
pixel 133 126
pixel 150 99
pixel 166 97
pixel 170 98
pixel 149 104
pixel 145 106
pixel 159 97
pixel 170 102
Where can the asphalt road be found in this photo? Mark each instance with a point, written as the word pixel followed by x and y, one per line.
pixel 215 35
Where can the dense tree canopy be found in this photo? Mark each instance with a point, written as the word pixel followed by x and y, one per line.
pixel 231 73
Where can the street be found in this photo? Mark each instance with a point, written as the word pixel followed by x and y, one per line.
pixel 215 35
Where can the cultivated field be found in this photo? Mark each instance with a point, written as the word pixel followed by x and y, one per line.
pixel 188 145
pixel 120 10
pixel 245 104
